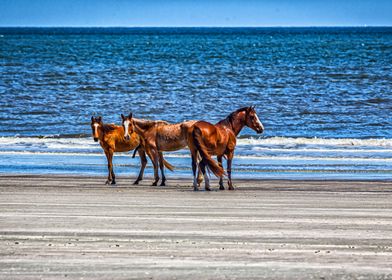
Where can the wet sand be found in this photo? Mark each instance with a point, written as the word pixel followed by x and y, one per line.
pixel 69 227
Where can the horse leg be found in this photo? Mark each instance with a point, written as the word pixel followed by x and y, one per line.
pixel 199 177
pixel 221 186
pixel 194 169
pixel 155 159
pixel 111 176
pixel 229 161
pixel 109 179
pixel 143 163
pixel 199 173
pixel 202 166
pixel 162 167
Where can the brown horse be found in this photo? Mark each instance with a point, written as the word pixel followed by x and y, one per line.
pixel 207 139
pixel 158 136
pixel 111 139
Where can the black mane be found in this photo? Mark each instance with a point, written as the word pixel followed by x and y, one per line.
pixel 231 116
pixel 108 127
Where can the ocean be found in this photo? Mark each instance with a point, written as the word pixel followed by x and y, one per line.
pixel 324 96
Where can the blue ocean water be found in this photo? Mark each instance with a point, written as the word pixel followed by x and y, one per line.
pixel 323 95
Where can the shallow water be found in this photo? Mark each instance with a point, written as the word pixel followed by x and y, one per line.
pixel 272 158
pixel 334 84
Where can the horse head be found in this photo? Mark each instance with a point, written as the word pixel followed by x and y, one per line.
pixel 127 124
pixel 253 121
pixel 96 123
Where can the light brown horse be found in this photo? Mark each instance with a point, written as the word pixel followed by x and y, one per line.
pixel 111 139
pixel 220 139
pixel 158 136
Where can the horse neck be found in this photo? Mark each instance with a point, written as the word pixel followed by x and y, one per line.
pixel 141 126
pixel 234 122
pixel 107 129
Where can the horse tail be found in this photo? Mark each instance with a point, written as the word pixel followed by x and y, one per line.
pixel 203 152
pixel 134 152
pixel 168 165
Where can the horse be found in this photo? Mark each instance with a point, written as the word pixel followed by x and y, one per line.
pixel 206 139
pixel 111 139
pixel 158 136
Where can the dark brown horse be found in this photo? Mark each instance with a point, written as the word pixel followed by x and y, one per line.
pixel 111 139
pixel 158 136
pixel 220 139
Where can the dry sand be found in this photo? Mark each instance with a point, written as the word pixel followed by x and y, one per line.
pixel 76 227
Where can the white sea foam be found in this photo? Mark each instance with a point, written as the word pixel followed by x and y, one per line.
pixel 47 144
pixel 367 158
pixel 248 147
pixel 294 142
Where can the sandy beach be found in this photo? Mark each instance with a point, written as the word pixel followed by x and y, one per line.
pixel 76 227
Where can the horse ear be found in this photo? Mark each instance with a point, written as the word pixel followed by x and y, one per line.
pixel 130 115
pixel 92 118
pixel 99 118
pixel 122 117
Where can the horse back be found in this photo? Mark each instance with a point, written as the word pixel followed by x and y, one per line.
pixel 208 131
pixel 217 138
pixel 205 127
pixel 170 137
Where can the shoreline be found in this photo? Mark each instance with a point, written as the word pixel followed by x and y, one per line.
pixel 127 181
pixel 186 184
pixel 177 178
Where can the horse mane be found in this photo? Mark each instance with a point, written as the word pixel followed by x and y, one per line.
pixel 148 123
pixel 108 127
pixel 230 117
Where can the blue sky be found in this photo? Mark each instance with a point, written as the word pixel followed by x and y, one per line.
pixel 195 12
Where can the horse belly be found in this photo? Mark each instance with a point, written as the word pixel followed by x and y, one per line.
pixel 171 145
pixel 125 146
pixel 170 138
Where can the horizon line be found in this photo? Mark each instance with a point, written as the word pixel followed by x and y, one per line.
pixel 190 26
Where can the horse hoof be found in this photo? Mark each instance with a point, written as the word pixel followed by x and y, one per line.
pixel 195 189
pixel 222 188
pixel 208 189
pixel 113 182
pixel 107 182
pixel 136 183
pixel 231 188
pixel 154 184
pixel 162 184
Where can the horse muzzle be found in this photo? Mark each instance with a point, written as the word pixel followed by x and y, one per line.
pixel 260 130
pixel 127 138
pixel 96 139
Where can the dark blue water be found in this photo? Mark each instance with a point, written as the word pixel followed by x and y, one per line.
pixel 305 82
